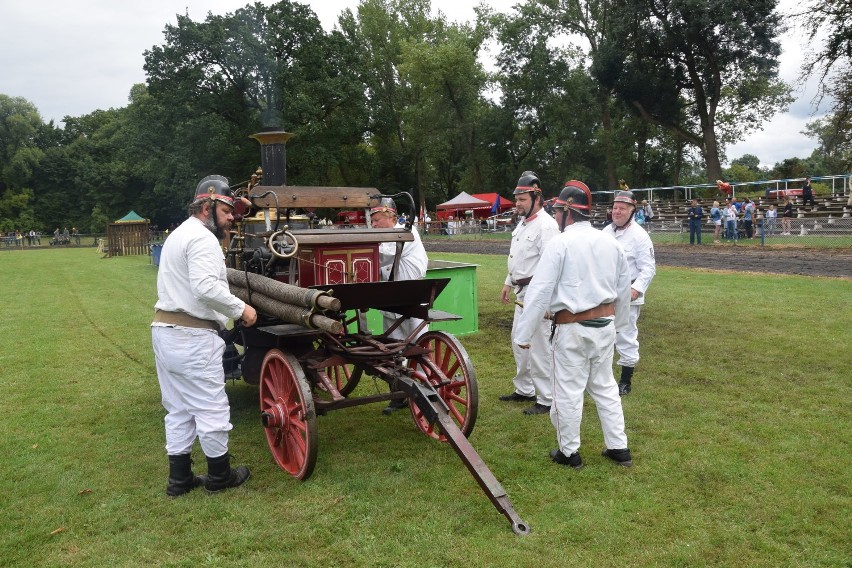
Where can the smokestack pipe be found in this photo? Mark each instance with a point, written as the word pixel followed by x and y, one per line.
pixel 273 155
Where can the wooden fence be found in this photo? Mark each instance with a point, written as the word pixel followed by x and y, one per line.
pixel 126 239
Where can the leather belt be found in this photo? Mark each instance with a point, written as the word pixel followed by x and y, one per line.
pixel 184 319
pixel 604 310
pixel 521 282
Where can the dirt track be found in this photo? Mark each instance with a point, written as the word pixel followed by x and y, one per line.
pixel 807 262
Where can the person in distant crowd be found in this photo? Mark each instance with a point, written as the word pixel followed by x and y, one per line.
pixel 724 187
pixel 769 219
pixel 730 214
pixel 194 303
pixel 716 217
pixel 808 193
pixel 639 251
pixel 608 216
pixel 787 216
pixel 536 229
pixel 639 217
pixel 649 214
pixel 65 235
pixel 695 214
pixel 748 218
pixel 583 279
pixel 75 235
pixel 412 265
pixel 737 205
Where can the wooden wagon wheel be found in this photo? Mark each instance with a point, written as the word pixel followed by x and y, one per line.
pixel 449 370
pixel 287 412
pixel 344 376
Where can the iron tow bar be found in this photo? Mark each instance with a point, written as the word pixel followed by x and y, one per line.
pixel 434 409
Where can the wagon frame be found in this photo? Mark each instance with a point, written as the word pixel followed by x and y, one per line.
pixel 304 370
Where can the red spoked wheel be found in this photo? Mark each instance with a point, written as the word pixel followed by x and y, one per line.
pixel 449 370
pixel 287 412
pixel 345 377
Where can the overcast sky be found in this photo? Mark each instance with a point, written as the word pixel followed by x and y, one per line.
pixel 70 58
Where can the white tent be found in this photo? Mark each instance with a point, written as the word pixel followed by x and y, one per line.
pixel 463 201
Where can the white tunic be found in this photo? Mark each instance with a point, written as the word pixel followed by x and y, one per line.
pixel 528 241
pixel 639 250
pixel 192 277
pixel 413 261
pixel 579 270
pixel 412 265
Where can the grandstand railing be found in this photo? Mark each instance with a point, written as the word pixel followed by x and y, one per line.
pixel 841 184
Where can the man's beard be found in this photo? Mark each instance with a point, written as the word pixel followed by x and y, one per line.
pixel 527 212
pixel 214 227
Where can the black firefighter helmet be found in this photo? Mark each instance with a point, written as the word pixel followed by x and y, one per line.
pixel 576 196
pixel 625 197
pixel 528 183
pixel 216 188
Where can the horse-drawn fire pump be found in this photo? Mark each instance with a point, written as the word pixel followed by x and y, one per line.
pixel 311 345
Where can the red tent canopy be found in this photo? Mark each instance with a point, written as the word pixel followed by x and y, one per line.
pixel 504 205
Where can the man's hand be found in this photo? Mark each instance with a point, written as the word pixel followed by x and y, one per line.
pixel 504 294
pixel 249 317
pixel 634 294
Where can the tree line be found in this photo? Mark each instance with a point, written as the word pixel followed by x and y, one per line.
pixel 398 98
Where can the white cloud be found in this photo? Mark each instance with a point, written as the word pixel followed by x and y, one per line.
pixel 781 138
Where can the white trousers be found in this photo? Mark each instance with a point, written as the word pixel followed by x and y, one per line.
pixel 582 361
pixel 192 383
pixel 627 342
pixel 532 366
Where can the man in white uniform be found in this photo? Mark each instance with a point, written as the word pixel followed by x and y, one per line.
pixel 639 249
pixel 194 303
pixel 584 281
pixel 534 231
pixel 412 265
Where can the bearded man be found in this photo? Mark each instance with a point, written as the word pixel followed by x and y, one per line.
pixel 194 303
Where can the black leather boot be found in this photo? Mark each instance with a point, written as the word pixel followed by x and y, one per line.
pixel 624 385
pixel 181 478
pixel 221 476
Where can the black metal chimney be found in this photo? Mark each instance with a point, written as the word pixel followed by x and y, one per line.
pixel 273 155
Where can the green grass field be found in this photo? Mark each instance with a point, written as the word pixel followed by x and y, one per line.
pixel 739 426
